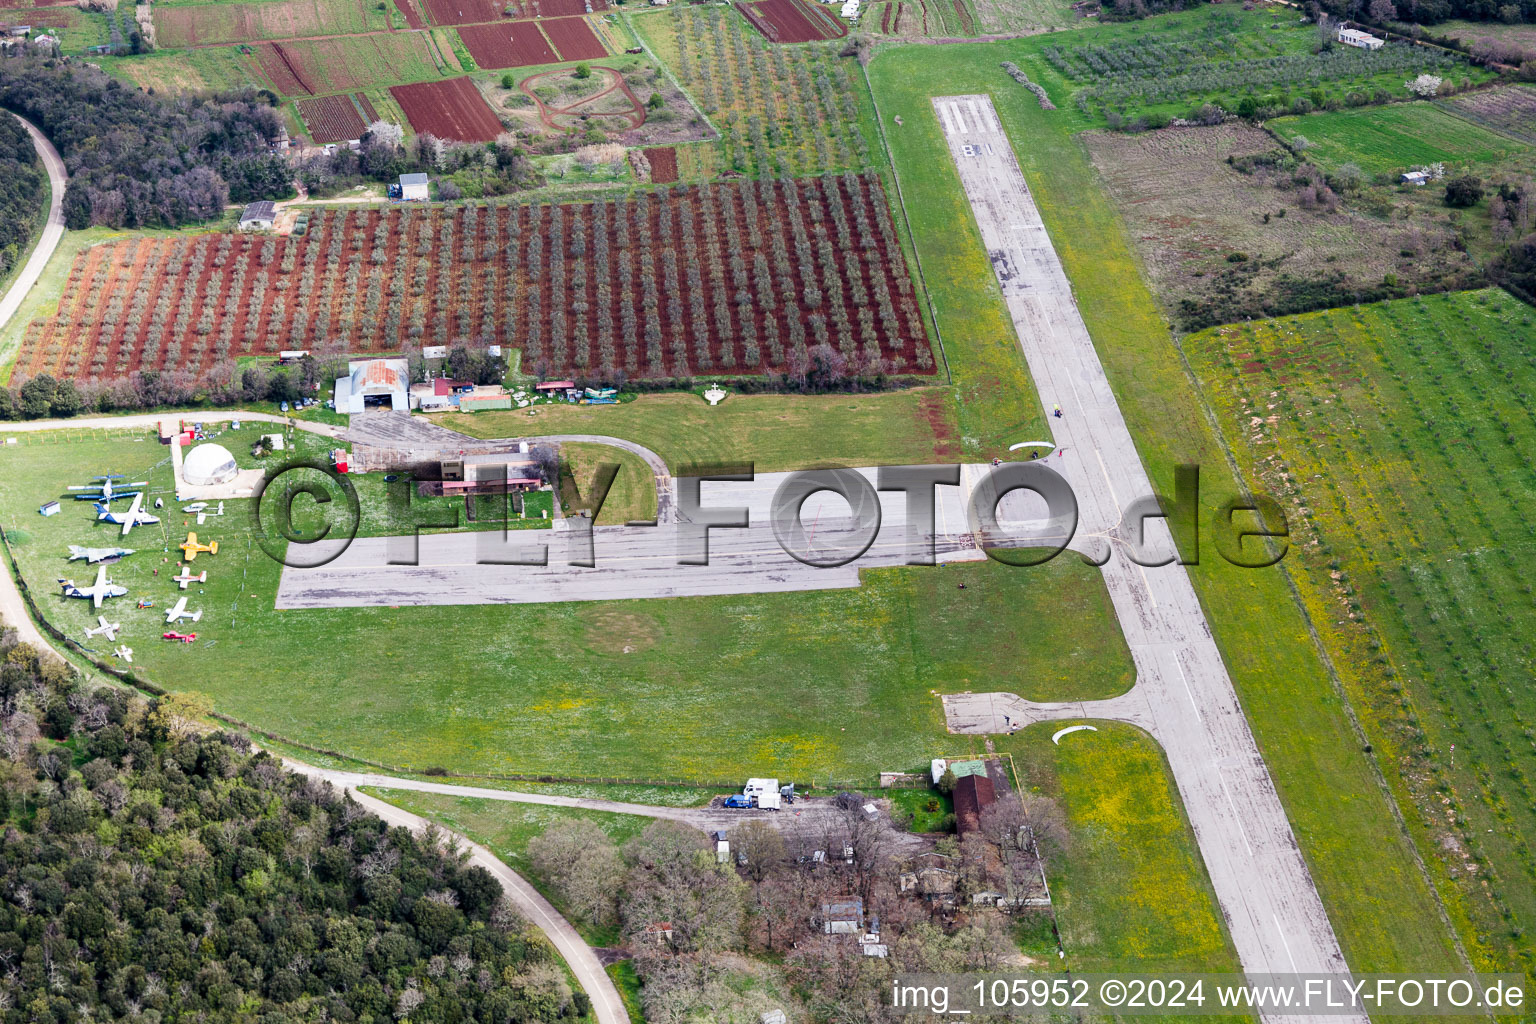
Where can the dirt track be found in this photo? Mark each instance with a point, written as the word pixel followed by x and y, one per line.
pixel 547 114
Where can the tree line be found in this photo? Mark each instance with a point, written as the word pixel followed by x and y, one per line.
pixel 156 873
pixel 23 192
pixel 139 160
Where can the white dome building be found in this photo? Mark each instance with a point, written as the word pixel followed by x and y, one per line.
pixel 209 464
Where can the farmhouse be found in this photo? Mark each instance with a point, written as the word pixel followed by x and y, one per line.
pixel 413 186
pixel 373 383
pixel 1415 177
pixel 258 216
pixel 1364 40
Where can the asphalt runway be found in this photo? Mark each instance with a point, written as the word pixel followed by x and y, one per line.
pixel 1183 695
pixel 643 562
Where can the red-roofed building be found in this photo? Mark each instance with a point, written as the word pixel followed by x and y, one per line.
pixel 973 794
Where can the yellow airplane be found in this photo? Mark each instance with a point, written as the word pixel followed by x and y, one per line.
pixel 192 547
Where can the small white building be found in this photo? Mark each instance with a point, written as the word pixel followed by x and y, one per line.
pixel 1415 178
pixel 258 216
pixel 413 186
pixel 722 848
pixel 373 383
pixel 1364 40
pixel 843 915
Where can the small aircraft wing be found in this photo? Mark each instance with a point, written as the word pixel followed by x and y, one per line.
pixel 99 591
pixel 175 611
pixel 133 513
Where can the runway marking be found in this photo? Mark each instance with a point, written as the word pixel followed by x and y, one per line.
pixel 1287 945
pixel 1185 680
pixel 1236 818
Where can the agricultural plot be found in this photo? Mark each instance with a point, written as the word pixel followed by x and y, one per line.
pixel 781 110
pixel 574 39
pixel 1510 110
pixel 1223 57
pixel 333 118
pixel 472 12
pixel 791 21
pixel 1220 245
pixel 509 44
pixel 663 161
pixel 1383 140
pixel 213 23
pixel 720 279
pixel 611 99
pixel 310 67
pixel 453 109
pixel 1400 434
pixel 208 69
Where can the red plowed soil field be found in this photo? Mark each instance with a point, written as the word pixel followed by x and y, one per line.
pixel 366 105
pixel 732 278
pixel 463 12
pixel 331 118
pixel 452 109
pixel 511 44
pixel 792 21
pixel 574 38
pixel 282 69
pixel 412 16
pixel 663 161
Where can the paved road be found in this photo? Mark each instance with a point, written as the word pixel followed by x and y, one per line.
pixel 666 499
pixel 53 230
pixel 1183 695
pixel 583 961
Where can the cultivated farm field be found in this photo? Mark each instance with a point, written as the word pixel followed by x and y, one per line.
pixel 723 279
pixel 780 109
pixel 1384 140
pixel 508 44
pixel 1509 110
pixel 1221 56
pixel 453 109
pixel 314 67
pixel 336 118
pixel 1399 434
pixel 210 23
pixel 791 21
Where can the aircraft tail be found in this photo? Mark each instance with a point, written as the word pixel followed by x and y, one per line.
pixel 197 615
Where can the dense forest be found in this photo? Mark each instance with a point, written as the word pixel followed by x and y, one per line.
pixel 23 191
pixel 139 160
pixel 153 873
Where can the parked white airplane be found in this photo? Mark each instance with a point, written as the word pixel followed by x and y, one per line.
pixel 103 627
pixel 204 513
pixel 135 516
pixel 105 491
pixel 125 652
pixel 178 611
pixel 98 591
pixel 94 555
pixel 185 576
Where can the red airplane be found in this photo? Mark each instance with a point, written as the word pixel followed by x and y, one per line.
pixel 185 638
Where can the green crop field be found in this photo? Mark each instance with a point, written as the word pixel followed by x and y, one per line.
pixel 1405 431
pixel 202 70
pixel 1381 140
pixel 1365 869
pixel 696 687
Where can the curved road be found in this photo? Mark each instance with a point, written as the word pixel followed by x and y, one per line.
pixel 53 230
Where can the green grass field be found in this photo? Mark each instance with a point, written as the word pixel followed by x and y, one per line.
pixel 775 432
pixel 1382 909
pixel 699 688
pixel 1382 140
pixel 1406 430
